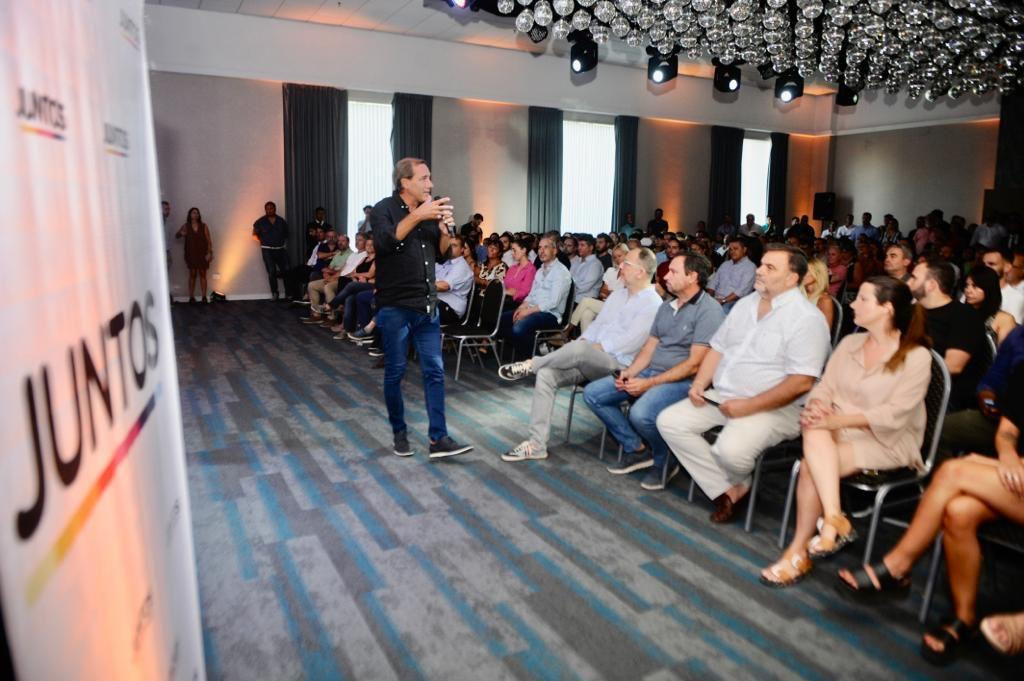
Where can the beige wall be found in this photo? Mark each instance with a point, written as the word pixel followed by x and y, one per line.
pixel 220 146
pixel 672 172
pixel 479 159
pixel 909 172
pixel 806 174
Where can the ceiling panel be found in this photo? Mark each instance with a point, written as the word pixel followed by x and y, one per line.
pixel 187 4
pixel 221 5
pixel 336 11
pixel 373 14
pixel 299 10
pixel 260 8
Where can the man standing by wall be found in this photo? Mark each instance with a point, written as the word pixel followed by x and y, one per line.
pixel 409 241
pixel 271 231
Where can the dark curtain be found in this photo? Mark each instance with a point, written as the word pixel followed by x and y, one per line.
pixel 724 190
pixel 624 195
pixel 315 160
pixel 777 168
pixel 412 117
pixel 544 170
pixel 1010 148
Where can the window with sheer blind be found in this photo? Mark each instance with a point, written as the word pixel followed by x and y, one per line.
pixel 369 158
pixel 588 176
pixel 757 153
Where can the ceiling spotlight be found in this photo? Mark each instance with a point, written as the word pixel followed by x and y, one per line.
pixel 766 70
pixel 727 78
pixel 538 33
pixel 583 55
pixel 458 4
pixel 847 96
pixel 789 86
pixel 661 68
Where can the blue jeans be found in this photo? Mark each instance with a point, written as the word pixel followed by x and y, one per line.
pixel 605 400
pixel 399 325
pixel 365 301
pixel 520 334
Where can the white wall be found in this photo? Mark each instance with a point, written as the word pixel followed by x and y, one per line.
pixel 220 147
pixel 673 161
pixel 479 152
pixel 909 172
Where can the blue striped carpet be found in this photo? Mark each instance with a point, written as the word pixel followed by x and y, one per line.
pixel 322 556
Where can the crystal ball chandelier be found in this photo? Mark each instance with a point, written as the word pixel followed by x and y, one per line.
pixel 933 48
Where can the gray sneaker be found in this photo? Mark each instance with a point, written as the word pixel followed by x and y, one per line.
pixel 652 481
pixel 402 447
pixel 524 451
pixel 632 461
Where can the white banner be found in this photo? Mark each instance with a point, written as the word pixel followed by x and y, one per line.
pixel 97 573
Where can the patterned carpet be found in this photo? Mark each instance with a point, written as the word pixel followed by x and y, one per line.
pixel 321 555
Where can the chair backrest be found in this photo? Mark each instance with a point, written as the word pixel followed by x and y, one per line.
pixel 492 307
pixel 570 303
pixel 935 402
pixel 837 321
pixel 991 346
pixel 469 303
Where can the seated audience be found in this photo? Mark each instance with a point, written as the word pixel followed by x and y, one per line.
pixel 544 306
pixel 956 329
pixel 735 278
pixel 898 261
pixel 661 371
pixel 964 494
pixel 327 286
pixel 491 269
pixel 749 228
pixel 361 279
pixel 672 249
pixel 866 413
pixel 454 279
pixel 586 270
pixel 1001 262
pixel 520 274
pixel 865 229
pixel 609 344
pixel 765 356
pixel 981 291
pixel 815 286
pixel 602 246
pixel 866 265
pixel 588 308
pixel 556 238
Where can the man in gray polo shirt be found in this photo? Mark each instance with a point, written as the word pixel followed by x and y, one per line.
pixel 661 371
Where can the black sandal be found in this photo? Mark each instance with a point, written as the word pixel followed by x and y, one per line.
pixel 889 587
pixel 953 642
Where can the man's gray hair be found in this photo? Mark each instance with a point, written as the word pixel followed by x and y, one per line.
pixel 648 260
pixel 621 247
pixel 404 170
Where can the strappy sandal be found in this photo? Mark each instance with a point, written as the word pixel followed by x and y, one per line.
pixel 953 637
pixel 789 570
pixel 889 586
pixel 819 549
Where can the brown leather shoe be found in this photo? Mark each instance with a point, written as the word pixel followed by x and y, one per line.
pixel 725 509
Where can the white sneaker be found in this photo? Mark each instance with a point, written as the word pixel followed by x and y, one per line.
pixel 524 451
pixel 516 370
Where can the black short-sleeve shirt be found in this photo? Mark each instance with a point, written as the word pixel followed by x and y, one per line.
pixel 405 269
pixel 1014 401
pixel 960 327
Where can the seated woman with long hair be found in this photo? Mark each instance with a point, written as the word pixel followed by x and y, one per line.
pixel 867 412
pixel 964 494
pixel 816 289
pixel 981 292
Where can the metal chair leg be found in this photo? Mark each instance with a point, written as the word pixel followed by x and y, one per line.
pixel 568 419
pixel 876 516
pixel 753 495
pixel 933 577
pixel 693 486
pixel 458 359
pixel 604 436
pixel 790 493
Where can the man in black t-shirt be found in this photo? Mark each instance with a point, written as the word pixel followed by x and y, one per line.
pixel 658 225
pixel 957 330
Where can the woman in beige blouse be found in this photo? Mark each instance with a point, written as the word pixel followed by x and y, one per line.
pixel 866 413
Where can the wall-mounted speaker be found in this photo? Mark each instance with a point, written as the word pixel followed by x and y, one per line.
pixel 824 205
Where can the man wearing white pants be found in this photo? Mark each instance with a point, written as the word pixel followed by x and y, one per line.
pixel 763 358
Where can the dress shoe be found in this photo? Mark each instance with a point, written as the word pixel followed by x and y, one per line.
pixel 725 508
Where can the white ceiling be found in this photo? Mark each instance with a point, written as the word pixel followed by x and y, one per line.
pixel 425 19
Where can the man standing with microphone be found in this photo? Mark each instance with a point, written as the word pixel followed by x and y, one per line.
pixel 411 233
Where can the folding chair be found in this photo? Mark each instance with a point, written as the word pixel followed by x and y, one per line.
pixel 480 335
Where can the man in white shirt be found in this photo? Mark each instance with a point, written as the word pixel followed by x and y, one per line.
pixel 1000 261
pixel 454 280
pixel 846 229
pixel 609 344
pixel 355 259
pixel 991 234
pixel 735 278
pixel 749 228
pixel 765 356
pixel 586 269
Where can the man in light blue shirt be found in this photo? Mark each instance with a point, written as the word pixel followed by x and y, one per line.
pixel 544 305
pixel 610 343
pixel 735 278
pixel 454 280
pixel 865 228
pixel 587 271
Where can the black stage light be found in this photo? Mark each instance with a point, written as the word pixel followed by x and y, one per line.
pixel 458 4
pixel 789 86
pixel 583 56
pixel 538 33
pixel 727 78
pixel 218 297
pixel 661 68
pixel 847 96
pixel 766 70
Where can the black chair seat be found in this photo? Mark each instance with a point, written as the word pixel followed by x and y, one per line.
pixel 466 330
pixel 1004 533
pixel 874 479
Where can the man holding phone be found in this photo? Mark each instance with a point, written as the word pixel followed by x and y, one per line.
pixel 411 233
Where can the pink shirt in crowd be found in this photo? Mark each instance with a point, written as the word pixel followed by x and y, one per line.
pixel 520 278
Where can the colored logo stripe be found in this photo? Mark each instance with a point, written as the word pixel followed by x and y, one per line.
pixel 49 564
pixel 41 131
pixel 115 152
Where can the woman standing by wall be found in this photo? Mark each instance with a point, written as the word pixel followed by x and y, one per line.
pixel 198 251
